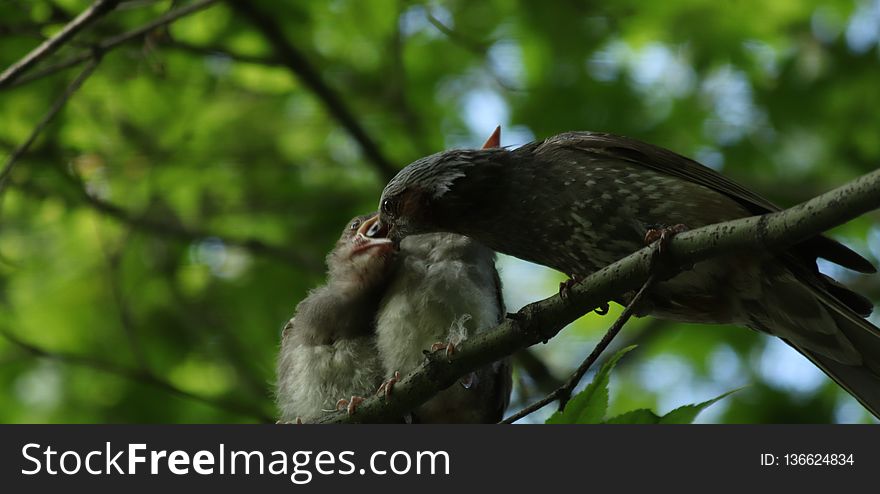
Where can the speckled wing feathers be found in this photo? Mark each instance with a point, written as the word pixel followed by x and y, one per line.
pixel 670 163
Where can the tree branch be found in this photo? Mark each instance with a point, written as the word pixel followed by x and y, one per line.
pixel 174 230
pixel 48 47
pixel 112 260
pixel 297 63
pixel 141 376
pixel 478 48
pixel 114 42
pixel 222 51
pixel 540 321
pixel 56 107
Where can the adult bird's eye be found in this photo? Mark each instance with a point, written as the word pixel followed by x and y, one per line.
pixel 388 207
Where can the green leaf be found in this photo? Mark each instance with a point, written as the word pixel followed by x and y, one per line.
pixel 589 406
pixel 681 415
pixel 688 413
pixel 638 416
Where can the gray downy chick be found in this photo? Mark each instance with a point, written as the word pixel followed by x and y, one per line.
pixel 445 289
pixel 328 349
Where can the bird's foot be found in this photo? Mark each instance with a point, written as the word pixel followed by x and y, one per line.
pixel 602 309
pixel 349 405
pixel 449 347
pixel 662 235
pixel 388 385
pixel 566 286
pixel 469 381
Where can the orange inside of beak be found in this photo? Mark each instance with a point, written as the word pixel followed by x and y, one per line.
pixel 373 229
pixel 368 236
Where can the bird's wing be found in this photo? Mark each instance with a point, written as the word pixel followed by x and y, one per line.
pixel 670 163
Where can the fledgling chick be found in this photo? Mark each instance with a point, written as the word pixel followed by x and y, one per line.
pixel 445 289
pixel 328 349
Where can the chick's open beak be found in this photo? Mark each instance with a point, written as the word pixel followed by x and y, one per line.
pixel 374 228
pixel 371 234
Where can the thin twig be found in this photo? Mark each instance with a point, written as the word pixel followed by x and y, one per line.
pixel 136 375
pixel 396 87
pixel 222 51
pixel 87 17
pixel 478 48
pixel 217 337
pixel 297 63
pixel 53 110
pixel 115 41
pixel 615 328
pixel 112 258
pixel 174 230
pixel 563 393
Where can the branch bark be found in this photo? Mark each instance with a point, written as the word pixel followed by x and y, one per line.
pixel 542 320
pixel 297 63
pixel 174 230
pixel 112 42
pixel 48 47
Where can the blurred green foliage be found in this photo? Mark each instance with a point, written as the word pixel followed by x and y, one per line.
pixel 163 227
pixel 590 406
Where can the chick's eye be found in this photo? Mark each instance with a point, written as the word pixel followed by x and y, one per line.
pixel 388 207
pixel 354 225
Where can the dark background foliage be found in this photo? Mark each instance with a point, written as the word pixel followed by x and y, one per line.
pixel 164 225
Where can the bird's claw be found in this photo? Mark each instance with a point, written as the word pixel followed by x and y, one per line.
pixel 663 235
pixel 566 286
pixel 349 405
pixel 449 347
pixel 469 381
pixel 388 385
pixel 602 309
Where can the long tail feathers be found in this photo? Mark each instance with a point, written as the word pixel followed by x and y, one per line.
pixel 859 381
pixel 862 381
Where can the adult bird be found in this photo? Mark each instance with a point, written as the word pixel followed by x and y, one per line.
pixel 444 290
pixel 579 201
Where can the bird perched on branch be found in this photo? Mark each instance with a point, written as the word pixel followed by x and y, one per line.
pixel 328 349
pixel 579 201
pixel 445 290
